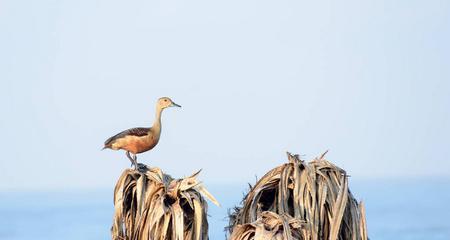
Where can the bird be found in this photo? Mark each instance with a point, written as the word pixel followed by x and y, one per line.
pixel 140 139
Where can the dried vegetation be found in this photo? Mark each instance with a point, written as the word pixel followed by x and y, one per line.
pixel 152 205
pixel 299 200
pixel 294 201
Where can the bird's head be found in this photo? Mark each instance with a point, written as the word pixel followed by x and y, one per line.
pixel 166 102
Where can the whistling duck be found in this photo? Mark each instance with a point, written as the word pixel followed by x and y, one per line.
pixel 138 140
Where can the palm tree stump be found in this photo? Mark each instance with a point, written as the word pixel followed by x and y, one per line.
pixel 152 205
pixel 300 201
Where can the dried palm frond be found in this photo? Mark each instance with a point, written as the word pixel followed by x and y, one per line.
pixel 315 194
pixel 152 205
pixel 270 226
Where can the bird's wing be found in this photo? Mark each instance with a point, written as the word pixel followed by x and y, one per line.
pixel 138 132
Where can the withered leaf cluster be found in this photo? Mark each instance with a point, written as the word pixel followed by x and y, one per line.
pixel 300 201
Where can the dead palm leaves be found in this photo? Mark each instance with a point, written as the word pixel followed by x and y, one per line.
pixel 300 201
pixel 270 226
pixel 294 201
pixel 152 205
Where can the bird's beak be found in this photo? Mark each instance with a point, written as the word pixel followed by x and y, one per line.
pixel 175 105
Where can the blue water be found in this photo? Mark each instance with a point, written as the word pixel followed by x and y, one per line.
pixel 395 210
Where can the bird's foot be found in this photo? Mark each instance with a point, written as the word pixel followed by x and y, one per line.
pixel 141 167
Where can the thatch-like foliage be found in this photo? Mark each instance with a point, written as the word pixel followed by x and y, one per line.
pixel 270 226
pixel 299 200
pixel 152 205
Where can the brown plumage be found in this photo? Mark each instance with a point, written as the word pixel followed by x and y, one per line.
pixel 132 133
pixel 138 140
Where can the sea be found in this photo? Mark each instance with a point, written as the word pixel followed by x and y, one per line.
pixel 395 209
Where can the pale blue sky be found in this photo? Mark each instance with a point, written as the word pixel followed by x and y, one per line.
pixel 369 80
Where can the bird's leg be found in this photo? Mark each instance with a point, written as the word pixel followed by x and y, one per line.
pixel 135 162
pixel 131 159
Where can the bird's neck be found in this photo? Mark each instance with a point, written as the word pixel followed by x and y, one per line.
pixel 157 123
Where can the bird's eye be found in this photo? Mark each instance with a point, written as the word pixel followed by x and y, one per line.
pixel 165 100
